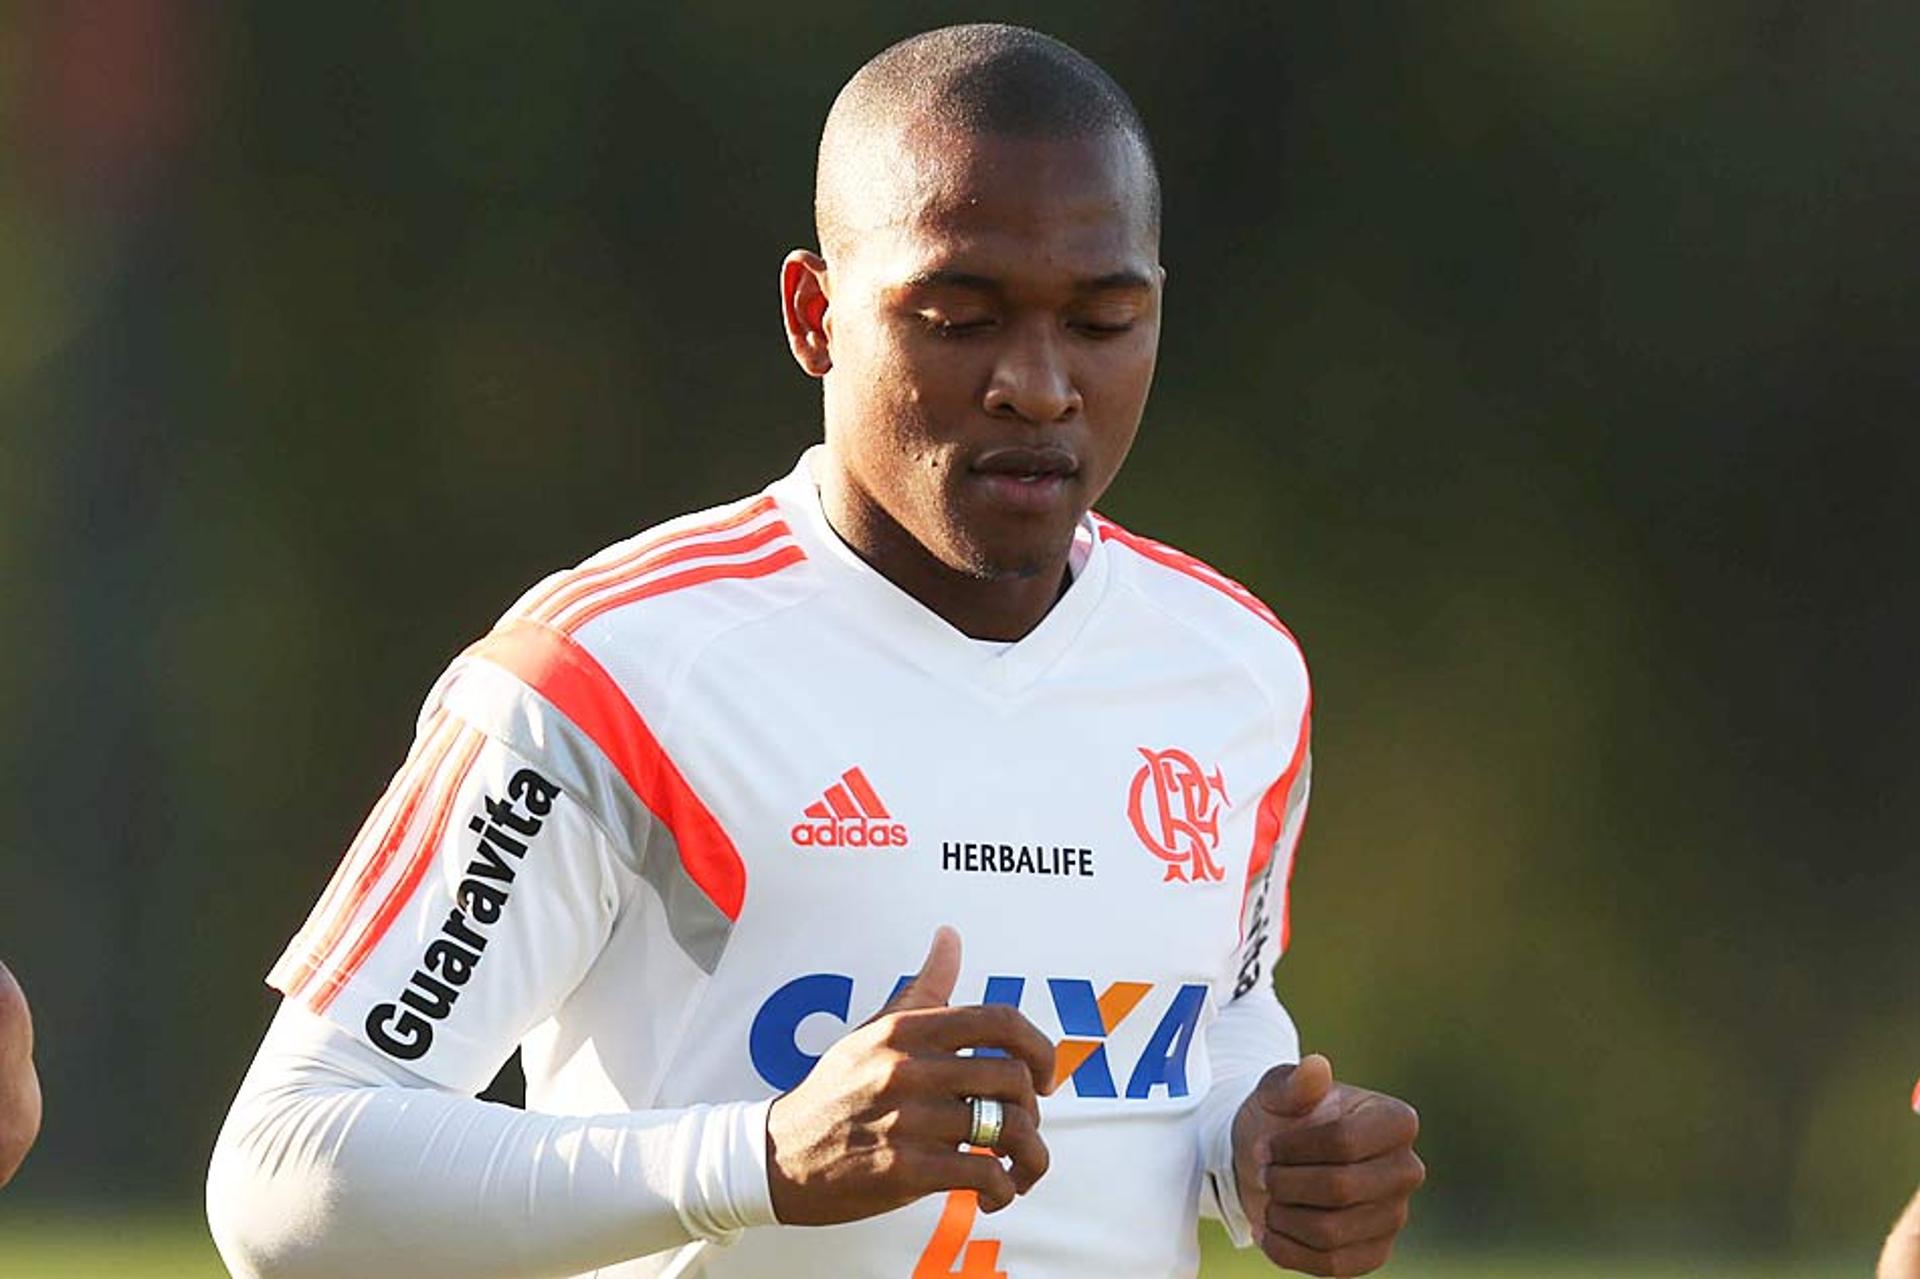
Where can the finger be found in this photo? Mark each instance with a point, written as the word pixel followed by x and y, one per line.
pixel 981 1173
pixel 1370 1126
pixel 999 1077
pixel 1021 1143
pixel 949 1124
pixel 948 1030
pixel 948 1121
pixel 1354 1259
pixel 932 986
pixel 1330 1228
pixel 1293 1091
pixel 1389 1176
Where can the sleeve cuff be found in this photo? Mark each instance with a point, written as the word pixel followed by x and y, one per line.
pixel 723 1149
pixel 1222 1187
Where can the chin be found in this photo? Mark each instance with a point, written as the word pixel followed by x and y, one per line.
pixel 1003 550
pixel 1011 564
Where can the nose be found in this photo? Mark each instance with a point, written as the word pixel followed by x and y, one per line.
pixel 1031 380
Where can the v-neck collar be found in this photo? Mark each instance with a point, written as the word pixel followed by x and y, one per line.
pixel 922 636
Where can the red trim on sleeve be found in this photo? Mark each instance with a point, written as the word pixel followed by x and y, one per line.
pixel 788 554
pixel 676 552
pixel 402 891
pixel 564 673
pixel 582 581
pixel 367 860
pixel 1272 819
pixel 1199 570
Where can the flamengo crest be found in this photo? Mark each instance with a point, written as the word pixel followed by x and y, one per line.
pixel 1175 808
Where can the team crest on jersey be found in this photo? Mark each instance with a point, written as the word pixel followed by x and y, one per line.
pixel 1175 807
pixel 849 815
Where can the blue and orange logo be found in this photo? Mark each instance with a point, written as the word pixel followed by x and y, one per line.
pixel 1087 1021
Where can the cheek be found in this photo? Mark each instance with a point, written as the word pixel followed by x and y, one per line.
pixel 1120 382
pixel 940 375
pixel 1116 404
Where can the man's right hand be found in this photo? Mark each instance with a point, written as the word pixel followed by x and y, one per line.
pixel 879 1121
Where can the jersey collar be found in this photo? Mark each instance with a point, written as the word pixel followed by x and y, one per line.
pixel 922 636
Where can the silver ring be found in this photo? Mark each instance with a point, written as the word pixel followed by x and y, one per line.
pixel 989 1116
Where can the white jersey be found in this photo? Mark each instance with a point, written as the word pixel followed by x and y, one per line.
pixel 696 807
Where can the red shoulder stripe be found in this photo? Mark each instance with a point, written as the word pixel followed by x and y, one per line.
pixel 673 551
pixel 564 673
pixel 584 581
pixel 588 600
pixel 1268 825
pixel 402 891
pixel 300 956
pixel 787 555
pixel 1199 570
pixel 367 860
pixel 1266 829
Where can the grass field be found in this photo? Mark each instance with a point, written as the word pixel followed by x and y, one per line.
pixel 145 1248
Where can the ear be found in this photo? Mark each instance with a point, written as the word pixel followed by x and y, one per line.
pixel 803 305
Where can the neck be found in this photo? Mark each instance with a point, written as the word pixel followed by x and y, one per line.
pixel 1004 607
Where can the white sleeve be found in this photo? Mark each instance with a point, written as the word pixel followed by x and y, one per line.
pixel 336 1161
pixel 1253 1032
pixel 1250 1036
pixel 481 889
pixel 480 892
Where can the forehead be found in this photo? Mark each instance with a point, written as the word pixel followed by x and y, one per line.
pixel 1005 206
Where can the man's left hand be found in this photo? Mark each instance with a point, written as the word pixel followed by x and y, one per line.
pixel 1325 1170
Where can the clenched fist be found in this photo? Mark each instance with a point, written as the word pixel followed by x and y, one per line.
pixel 1325 1170
pixel 879 1121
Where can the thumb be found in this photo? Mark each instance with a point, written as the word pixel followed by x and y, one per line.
pixel 932 986
pixel 1303 1088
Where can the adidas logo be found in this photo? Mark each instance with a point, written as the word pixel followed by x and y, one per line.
pixel 849 815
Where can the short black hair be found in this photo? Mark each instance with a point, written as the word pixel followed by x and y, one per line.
pixel 980 78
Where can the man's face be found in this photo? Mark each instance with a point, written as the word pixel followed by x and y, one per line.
pixel 992 320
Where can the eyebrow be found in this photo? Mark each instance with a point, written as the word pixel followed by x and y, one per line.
pixel 950 279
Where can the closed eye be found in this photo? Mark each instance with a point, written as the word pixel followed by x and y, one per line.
pixel 941 327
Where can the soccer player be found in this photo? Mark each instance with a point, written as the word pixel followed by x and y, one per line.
pixel 702 824
pixel 19 1085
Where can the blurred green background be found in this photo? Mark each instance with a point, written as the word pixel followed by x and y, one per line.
pixel 1552 367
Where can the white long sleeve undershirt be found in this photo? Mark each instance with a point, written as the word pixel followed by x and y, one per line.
pixel 1249 1037
pixel 337 1162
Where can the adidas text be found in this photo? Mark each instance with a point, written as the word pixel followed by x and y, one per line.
pixel 849 833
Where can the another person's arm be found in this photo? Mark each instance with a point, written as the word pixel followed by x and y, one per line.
pixel 19 1085
pixel 1900 1256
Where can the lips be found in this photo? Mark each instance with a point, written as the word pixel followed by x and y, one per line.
pixel 1027 480
pixel 1029 463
